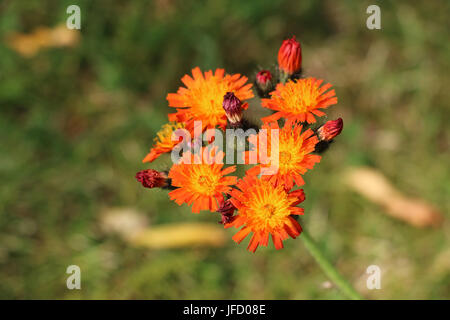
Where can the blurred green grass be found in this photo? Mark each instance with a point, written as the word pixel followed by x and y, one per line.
pixel 76 122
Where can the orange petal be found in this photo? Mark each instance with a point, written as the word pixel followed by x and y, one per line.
pixel 241 234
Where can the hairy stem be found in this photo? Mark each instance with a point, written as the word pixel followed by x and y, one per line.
pixel 328 268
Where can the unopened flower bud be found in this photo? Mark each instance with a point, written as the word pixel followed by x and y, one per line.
pixel 226 209
pixel 233 108
pixel 330 129
pixel 290 57
pixel 264 83
pixel 152 179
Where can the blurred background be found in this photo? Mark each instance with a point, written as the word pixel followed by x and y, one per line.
pixel 79 111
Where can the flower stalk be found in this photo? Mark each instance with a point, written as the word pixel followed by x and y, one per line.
pixel 326 266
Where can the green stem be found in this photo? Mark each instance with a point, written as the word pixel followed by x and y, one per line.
pixel 283 77
pixel 328 268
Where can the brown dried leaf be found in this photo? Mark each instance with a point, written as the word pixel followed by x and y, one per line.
pixel 181 235
pixel 126 222
pixel 28 45
pixel 132 226
pixel 373 185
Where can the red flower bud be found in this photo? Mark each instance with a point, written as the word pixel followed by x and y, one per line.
pixel 152 179
pixel 330 129
pixel 233 108
pixel 290 56
pixel 226 209
pixel 264 81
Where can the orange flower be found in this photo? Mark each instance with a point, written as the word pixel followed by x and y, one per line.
pixel 294 154
pixel 290 56
pixel 299 100
pixel 265 208
pixel 201 183
pixel 203 96
pixel 163 141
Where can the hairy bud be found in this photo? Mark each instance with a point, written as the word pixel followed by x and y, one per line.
pixel 233 108
pixel 330 130
pixel 152 179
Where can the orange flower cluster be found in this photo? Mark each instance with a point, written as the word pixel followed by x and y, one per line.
pixel 264 202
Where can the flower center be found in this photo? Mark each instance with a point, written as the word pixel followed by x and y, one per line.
pixel 207 181
pixel 206 184
pixel 285 157
pixel 300 96
pixel 266 207
pixel 164 136
pixel 208 99
pixel 269 210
